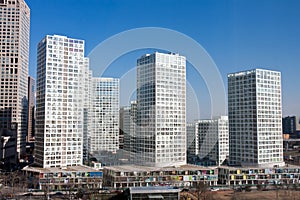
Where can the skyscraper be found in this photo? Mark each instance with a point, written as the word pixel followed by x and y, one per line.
pixel 192 141
pixel 161 110
pixel 290 125
pixel 59 102
pixel 254 107
pixel 86 77
pixel 14 36
pixel 31 109
pixel 128 124
pixel 213 139
pixel 104 115
pixel 124 131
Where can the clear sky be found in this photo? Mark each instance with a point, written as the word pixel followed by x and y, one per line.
pixel 238 34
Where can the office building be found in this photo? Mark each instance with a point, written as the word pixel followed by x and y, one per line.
pixel 131 139
pixel 255 127
pixel 192 140
pixel 129 125
pixel 104 115
pixel 290 125
pixel 124 131
pixel 31 109
pixel 8 147
pixel 14 37
pixel 59 102
pixel 86 84
pixel 161 110
pixel 213 140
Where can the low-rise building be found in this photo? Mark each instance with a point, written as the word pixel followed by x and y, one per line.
pixel 142 193
pixel 139 176
pixel 66 178
pixel 288 174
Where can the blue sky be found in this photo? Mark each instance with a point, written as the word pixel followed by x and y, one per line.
pixel 238 34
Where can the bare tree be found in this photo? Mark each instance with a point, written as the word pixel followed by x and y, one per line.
pixel 202 191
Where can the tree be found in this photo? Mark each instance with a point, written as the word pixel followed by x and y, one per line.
pixel 202 191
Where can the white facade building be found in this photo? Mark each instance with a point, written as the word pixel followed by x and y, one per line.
pixel 192 139
pixel 59 102
pixel 128 125
pixel 85 82
pixel 255 126
pixel 104 115
pixel 14 55
pixel 213 139
pixel 161 110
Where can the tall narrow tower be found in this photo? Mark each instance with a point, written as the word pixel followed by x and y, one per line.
pixel 31 109
pixel 254 106
pixel 14 37
pixel 104 115
pixel 59 102
pixel 161 110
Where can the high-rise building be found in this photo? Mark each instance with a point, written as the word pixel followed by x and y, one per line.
pixel 124 132
pixel 85 82
pixel 192 140
pixel 130 139
pixel 128 125
pixel 104 115
pixel 14 37
pixel 290 125
pixel 31 109
pixel 161 110
pixel 59 102
pixel 255 126
pixel 213 140
pixel 8 147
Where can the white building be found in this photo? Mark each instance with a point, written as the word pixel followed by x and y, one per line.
pixel 192 139
pixel 161 110
pixel 59 102
pixel 14 54
pixel 254 107
pixel 213 139
pixel 128 124
pixel 104 115
pixel 85 82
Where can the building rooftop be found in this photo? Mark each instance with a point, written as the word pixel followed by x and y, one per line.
pixel 287 166
pixel 135 190
pixel 138 168
pixel 79 168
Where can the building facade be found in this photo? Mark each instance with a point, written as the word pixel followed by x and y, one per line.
pixel 266 177
pixel 192 140
pixel 59 102
pixel 290 125
pixel 129 126
pixel 255 127
pixel 71 178
pixel 31 109
pixel 161 110
pixel 104 115
pixel 213 139
pixel 86 83
pixel 15 30
pixel 124 132
pixel 125 176
pixel 8 148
